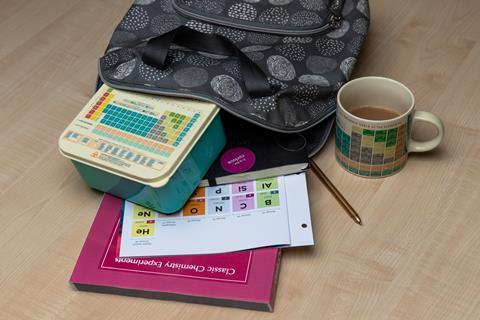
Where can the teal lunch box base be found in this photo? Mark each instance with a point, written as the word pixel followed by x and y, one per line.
pixel 171 197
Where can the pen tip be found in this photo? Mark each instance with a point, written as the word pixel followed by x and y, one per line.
pixel 359 221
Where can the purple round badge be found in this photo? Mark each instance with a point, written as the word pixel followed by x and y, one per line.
pixel 237 160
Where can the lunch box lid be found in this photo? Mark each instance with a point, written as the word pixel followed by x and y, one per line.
pixel 136 136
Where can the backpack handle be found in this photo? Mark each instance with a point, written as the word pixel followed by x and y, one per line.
pixel 156 51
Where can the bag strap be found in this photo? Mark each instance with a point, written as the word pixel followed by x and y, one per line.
pixel 156 51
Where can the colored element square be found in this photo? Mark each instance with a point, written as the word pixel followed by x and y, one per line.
pixel 345 144
pixel 268 199
pixel 391 137
pixel 242 187
pixel 140 212
pixel 338 136
pixel 386 172
pixel 354 170
pixel 143 229
pixel 380 136
pixel 243 202
pixel 218 191
pixel 199 193
pixel 357 129
pixel 267 184
pixel 194 207
pixel 218 205
pixel 367 132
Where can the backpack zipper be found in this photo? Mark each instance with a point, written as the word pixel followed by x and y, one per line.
pixel 334 21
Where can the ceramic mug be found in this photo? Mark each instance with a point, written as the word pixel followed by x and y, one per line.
pixel 379 148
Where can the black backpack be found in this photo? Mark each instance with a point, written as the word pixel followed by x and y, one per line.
pixel 276 63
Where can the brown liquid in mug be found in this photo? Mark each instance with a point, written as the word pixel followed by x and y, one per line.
pixel 374 113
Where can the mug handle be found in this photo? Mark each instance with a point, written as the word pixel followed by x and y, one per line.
pixel 422 146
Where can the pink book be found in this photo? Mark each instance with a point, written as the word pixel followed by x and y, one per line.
pixel 245 279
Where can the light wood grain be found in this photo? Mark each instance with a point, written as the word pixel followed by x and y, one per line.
pixel 416 257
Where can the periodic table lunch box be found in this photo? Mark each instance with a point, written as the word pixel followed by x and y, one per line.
pixel 147 149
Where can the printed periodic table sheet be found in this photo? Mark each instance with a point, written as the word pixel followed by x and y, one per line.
pixel 240 216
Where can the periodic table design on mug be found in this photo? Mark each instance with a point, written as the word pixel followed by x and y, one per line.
pixel 372 152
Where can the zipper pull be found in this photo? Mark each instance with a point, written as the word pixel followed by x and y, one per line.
pixel 335 21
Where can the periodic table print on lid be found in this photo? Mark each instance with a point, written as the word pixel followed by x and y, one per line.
pixel 148 149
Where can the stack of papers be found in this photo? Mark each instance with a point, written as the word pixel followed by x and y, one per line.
pixel 226 218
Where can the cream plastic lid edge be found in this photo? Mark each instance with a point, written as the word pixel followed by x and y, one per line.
pixel 151 182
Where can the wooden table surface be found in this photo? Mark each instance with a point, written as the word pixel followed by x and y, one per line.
pixel 416 257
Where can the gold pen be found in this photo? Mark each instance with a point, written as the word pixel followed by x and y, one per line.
pixel 334 191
